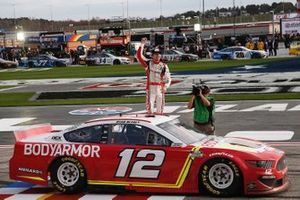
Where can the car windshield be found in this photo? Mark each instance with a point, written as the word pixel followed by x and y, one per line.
pixel 178 51
pixel 184 134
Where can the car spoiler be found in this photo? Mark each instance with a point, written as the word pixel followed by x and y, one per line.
pixel 31 131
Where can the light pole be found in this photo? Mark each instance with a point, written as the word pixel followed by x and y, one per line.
pixel 88 17
pixel 14 14
pixel 160 8
pixel 51 17
pixel 234 18
pixel 273 26
pixel 128 20
pixel 203 14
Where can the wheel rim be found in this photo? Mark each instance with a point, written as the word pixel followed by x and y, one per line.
pixel 221 176
pixel 68 174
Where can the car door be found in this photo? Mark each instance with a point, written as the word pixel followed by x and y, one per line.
pixel 139 156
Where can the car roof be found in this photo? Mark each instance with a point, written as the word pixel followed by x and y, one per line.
pixel 151 119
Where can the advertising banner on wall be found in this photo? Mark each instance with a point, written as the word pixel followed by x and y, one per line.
pixel 290 26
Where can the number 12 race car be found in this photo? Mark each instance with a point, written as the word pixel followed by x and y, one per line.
pixel 146 154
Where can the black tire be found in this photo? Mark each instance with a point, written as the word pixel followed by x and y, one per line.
pixel 117 62
pixel 185 59
pixel 214 181
pixel 30 64
pixel 68 175
pixel 225 57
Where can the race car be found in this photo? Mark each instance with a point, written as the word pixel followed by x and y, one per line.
pixel 295 48
pixel 7 64
pixel 238 52
pixel 176 55
pixel 106 59
pixel 42 60
pixel 145 154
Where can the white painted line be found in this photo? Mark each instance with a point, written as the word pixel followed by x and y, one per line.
pixel 6 146
pixel 267 107
pixel 16 190
pixel 160 197
pixel 97 197
pixel 25 196
pixel 263 135
pixel 296 108
pixel 8 124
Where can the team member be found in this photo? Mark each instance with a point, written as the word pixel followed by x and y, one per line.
pixel 158 79
pixel 203 105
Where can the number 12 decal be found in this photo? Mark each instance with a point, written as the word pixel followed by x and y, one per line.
pixel 138 168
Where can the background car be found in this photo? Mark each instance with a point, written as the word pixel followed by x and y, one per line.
pixel 177 55
pixel 7 64
pixel 295 48
pixel 146 154
pixel 43 60
pixel 238 52
pixel 106 58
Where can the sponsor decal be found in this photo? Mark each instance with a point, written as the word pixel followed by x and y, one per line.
pixel 221 154
pixel 268 171
pixel 29 170
pixel 127 122
pixel 107 110
pixel 62 149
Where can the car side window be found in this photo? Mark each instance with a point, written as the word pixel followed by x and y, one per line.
pixel 134 134
pixel 92 134
pixel 153 138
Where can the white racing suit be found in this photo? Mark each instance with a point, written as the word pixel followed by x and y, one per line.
pixel 158 80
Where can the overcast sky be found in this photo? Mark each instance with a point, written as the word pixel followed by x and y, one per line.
pixel 81 9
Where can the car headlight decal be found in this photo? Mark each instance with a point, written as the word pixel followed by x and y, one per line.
pixel 265 164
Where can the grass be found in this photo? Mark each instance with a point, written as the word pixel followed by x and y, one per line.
pixel 127 70
pixel 23 99
pixel 6 86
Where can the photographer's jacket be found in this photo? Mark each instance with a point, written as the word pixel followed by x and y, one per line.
pixel 203 114
pixel 158 80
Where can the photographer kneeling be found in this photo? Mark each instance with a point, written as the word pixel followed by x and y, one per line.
pixel 203 105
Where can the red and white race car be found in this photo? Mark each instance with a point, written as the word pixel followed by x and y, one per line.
pixel 146 154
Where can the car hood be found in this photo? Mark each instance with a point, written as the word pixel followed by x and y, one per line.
pixel 237 144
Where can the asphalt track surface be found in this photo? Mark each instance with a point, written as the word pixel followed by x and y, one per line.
pixel 230 116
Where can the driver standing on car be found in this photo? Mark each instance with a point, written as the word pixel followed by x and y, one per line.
pixel 158 79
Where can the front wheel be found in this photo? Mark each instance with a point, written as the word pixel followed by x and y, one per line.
pixel 220 177
pixel 68 175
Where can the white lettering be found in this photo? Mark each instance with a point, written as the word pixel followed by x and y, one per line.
pixel 58 151
pixel 36 149
pixel 95 151
pixel 45 150
pixel 52 147
pixel 267 107
pixel 62 149
pixel 66 150
pixel 75 151
pixel 225 108
pixel 27 149
pixel 86 151
pixel 296 108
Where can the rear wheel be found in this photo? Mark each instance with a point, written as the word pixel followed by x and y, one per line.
pixel 220 177
pixel 68 175
pixel 117 62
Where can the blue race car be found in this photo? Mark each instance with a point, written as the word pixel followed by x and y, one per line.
pixel 238 52
pixel 42 60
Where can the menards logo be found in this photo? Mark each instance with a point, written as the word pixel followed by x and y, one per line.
pixel 82 150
